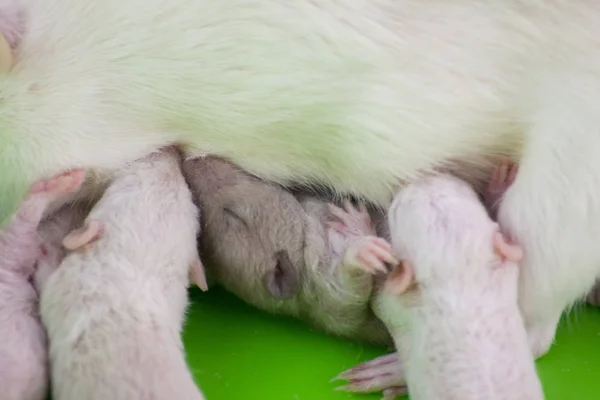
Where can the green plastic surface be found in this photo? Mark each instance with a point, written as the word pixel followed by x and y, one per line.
pixel 237 352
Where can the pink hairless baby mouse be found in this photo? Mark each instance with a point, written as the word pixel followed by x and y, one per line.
pixel 451 304
pixel 23 348
pixel 122 288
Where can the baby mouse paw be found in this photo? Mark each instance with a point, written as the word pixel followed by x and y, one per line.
pixel 383 374
pixel 370 254
pixel 59 185
pixel 351 220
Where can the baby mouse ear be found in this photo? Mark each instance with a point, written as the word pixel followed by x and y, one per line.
pixel 400 279
pixel 88 233
pixel 507 251
pixel 6 57
pixel 282 282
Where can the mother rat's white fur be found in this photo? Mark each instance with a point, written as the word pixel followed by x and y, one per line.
pixel 356 94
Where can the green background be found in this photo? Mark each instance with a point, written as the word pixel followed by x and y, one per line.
pixel 237 352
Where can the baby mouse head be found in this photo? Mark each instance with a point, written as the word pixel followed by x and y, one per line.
pixel 447 241
pixel 253 232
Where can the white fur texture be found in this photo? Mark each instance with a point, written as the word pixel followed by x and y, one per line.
pixel 114 309
pixel 459 331
pixel 356 94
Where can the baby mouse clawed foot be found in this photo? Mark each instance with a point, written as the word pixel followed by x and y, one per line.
pixel 59 185
pixel 382 374
pixel 352 220
pixel 18 241
pixel 370 254
pixel 45 191
pixel 373 255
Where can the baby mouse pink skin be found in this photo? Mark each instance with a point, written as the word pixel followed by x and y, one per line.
pixel 23 348
pixel 114 307
pixel 386 373
pixel 92 231
pixel 88 233
pixel 197 275
pixel 507 251
pixel 451 305
pixel 362 250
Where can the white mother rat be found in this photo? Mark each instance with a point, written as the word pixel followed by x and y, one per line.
pixel 362 96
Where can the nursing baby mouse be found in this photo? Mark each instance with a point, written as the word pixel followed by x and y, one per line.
pixel 23 347
pixel 287 255
pixel 451 305
pixel 115 305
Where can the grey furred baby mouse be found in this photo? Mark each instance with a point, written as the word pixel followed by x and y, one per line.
pixel 296 256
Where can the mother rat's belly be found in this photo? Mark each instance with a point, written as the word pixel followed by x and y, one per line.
pixel 325 92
